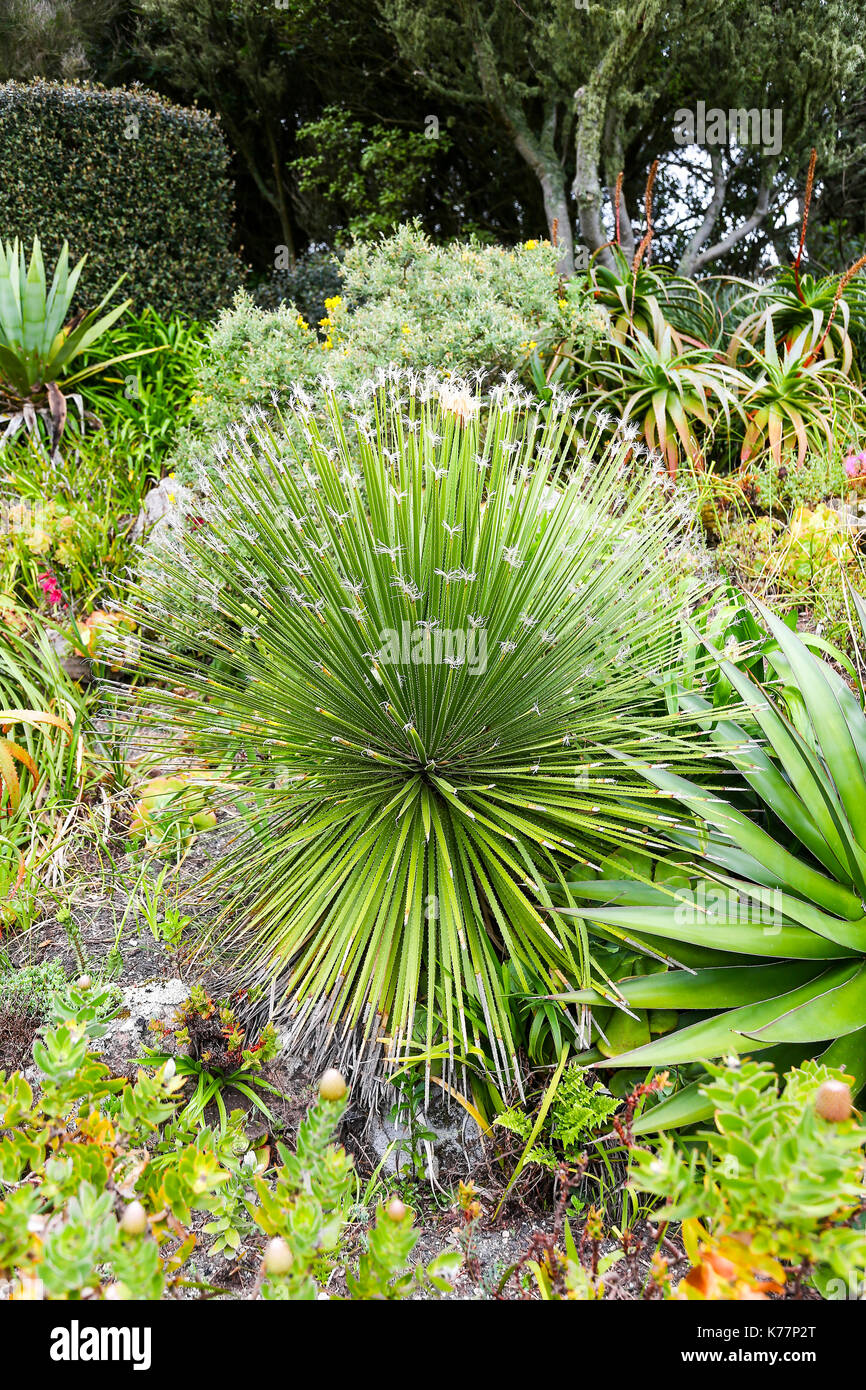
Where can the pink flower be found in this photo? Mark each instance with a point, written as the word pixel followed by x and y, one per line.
pixel 50 587
pixel 852 465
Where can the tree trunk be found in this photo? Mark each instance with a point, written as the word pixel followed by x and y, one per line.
pixel 695 258
pixel 539 151
pixel 282 202
pixel 591 106
pixel 614 167
pixel 540 154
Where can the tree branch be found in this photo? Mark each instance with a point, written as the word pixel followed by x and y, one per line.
pixel 737 234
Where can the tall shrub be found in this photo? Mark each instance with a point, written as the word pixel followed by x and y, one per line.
pixel 139 185
pixel 462 307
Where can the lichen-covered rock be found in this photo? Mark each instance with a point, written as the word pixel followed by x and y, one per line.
pixel 155 1001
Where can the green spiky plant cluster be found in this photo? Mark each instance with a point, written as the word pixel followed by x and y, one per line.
pixel 778 886
pixel 405 803
pixel 37 344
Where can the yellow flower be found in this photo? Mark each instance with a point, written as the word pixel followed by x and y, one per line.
pixel 405 328
pixel 334 302
pixel 531 245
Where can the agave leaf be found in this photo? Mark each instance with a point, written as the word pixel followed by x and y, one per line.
pixel 84 336
pixel 719 988
pixel 828 722
pixel 742 1029
pixel 753 938
pixel 102 366
pixel 10 297
pixel 849 1053
pixel 781 867
pixel 14 368
pixel 33 304
pixel 809 797
pixel 839 1009
pixel 56 301
pixel 621 892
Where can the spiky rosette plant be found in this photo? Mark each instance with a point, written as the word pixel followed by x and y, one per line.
pixel 771 907
pixel 422 627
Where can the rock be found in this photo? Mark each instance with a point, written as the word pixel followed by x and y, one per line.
pixel 129 1032
pixel 456 1147
pixel 294 1065
pixel 77 667
pixel 162 508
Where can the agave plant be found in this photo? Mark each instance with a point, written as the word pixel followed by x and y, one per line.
pixel 670 389
pixel 769 909
pixel 39 342
pixel 423 630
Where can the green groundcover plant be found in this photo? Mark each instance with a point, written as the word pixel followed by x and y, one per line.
pixel 101 1184
pixel 425 632
pixel 774 1196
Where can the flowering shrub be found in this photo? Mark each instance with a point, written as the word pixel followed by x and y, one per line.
pixel 316 275
pixel 460 308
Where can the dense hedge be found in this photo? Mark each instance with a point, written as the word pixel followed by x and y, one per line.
pixel 137 183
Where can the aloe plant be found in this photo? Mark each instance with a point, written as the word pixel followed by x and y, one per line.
pixel 645 299
pixel 420 630
pixel 794 302
pixel 671 389
pixel 39 342
pixel 793 402
pixel 782 895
